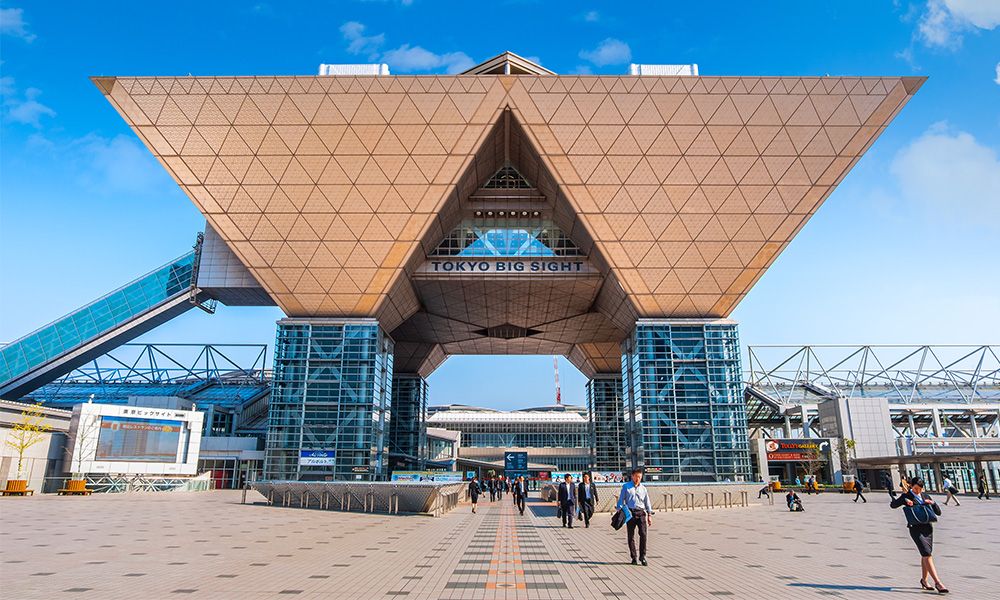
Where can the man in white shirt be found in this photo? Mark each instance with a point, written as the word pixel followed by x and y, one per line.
pixel 635 496
pixel 950 490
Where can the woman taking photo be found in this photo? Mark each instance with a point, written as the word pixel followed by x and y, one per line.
pixel 921 512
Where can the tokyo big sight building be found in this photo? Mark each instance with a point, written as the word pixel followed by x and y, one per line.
pixel 399 220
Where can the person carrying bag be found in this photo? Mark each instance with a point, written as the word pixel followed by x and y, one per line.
pixel 921 512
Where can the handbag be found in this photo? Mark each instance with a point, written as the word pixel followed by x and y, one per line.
pixel 919 514
pixel 618 519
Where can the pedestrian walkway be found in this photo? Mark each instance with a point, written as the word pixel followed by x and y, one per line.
pixel 208 545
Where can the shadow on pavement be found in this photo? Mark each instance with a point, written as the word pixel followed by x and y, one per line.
pixel 854 588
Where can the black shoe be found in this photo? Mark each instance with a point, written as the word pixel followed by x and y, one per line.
pixel 643 561
pixel 571 527
pixel 635 562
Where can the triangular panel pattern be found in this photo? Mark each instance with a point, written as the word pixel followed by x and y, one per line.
pixel 684 189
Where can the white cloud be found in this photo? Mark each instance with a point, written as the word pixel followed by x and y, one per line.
pixel 6 86
pixel 592 16
pixel 408 58
pixel 12 23
pixel 358 42
pixel 944 21
pixel 997 80
pixel 119 163
pixel 984 14
pixel 405 58
pixel 608 52
pixel 27 110
pixel 951 174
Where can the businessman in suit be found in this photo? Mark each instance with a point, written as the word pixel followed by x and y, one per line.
pixel 567 501
pixel 520 492
pixel 586 497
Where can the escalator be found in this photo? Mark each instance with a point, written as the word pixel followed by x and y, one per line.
pixel 114 319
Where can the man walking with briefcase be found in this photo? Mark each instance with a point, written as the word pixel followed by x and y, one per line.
pixel 586 497
pixel 567 501
pixel 635 497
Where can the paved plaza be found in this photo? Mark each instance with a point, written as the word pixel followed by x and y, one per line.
pixel 208 545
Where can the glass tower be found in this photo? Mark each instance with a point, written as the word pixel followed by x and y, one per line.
pixel 607 422
pixel 330 401
pixel 682 384
pixel 407 428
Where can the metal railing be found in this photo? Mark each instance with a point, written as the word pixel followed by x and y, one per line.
pixel 124 484
pixel 673 496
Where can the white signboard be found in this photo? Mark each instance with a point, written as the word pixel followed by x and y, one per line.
pixel 134 440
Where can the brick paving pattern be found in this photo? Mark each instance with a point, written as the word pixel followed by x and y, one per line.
pixel 208 545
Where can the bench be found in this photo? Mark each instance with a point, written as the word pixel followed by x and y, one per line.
pixel 76 487
pixel 17 487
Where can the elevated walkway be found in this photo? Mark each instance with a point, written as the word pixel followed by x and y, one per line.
pixel 114 319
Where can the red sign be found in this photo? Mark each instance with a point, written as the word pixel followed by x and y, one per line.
pixel 797 450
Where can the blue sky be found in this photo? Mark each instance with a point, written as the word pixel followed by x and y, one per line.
pixel 906 250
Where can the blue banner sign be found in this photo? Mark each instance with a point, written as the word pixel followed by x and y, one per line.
pixel 515 463
pixel 317 458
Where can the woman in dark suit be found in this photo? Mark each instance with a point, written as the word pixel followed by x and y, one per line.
pixel 474 491
pixel 921 532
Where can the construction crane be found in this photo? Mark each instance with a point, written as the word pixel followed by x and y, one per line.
pixel 555 365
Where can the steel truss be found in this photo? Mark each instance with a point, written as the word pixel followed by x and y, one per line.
pixel 941 391
pixel 175 363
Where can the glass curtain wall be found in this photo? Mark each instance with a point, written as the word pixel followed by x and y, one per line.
pixel 607 423
pixel 407 428
pixel 330 401
pixel 684 401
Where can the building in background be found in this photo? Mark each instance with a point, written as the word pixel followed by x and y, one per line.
pixel 399 220
pixel 932 411
pixel 556 437
pixel 226 383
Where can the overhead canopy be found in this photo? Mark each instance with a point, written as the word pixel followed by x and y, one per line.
pixel 678 192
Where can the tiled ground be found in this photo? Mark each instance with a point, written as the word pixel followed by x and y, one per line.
pixel 208 545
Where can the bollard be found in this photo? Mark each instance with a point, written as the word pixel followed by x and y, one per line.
pixel 671 501
pixel 746 498
pixel 270 497
pixel 709 504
